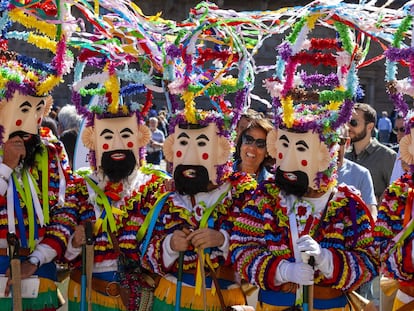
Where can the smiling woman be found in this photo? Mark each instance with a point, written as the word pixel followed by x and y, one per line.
pixel 251 153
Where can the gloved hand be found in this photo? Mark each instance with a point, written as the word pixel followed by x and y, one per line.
pixel 295 272
pixel 323 257
pixel 308 245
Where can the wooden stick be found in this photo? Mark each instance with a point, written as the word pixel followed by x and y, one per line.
pixel 15 271
pixel 89 262
pixel 203 277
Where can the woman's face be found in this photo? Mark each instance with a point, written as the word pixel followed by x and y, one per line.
pixel 253 149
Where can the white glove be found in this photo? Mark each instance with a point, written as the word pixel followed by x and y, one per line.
pixel 323 257
pixel 295 272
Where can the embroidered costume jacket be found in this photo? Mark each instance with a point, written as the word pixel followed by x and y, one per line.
pixel 118 211
pixel 178 212
pixel 31 205
pixel 395 237
pixel 261 239
pixel 48 177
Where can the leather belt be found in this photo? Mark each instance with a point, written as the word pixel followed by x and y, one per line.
pixel 23 252
pixel 407 289
pixel 319 292
pixel 107 288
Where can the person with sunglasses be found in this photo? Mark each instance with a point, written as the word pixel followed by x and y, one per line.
pixel 251 153
pixel 377 158
pixel 302 213
pixel 367 150
pixel 353 174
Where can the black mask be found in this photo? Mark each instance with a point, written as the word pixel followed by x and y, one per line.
pixel 191 179
pixel 295 183
pixel 116 170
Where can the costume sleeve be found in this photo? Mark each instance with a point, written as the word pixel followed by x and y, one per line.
pixel 347 231
pixel 396 257
pixel 5 173
pixel 257 243
pixel 174 218
pixel 63 218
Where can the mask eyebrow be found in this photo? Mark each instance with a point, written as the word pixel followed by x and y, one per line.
pixel 202 136
pixel 183 135
pixel 25 104
pixel 284 137
pixel 106 131
pixel 41 103
pixel 303 143
pixel 127 130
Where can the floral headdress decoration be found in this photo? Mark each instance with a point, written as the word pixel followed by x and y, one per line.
pixel 317 102
pixel 400 53
pixel 211 57
pixel 48 26
pixel 123 54
pixel 209 67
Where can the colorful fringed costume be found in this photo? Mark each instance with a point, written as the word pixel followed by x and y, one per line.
pixel 112 207
pixel 178 212
pixel 262 238
pixel 19 212
pixel 394 234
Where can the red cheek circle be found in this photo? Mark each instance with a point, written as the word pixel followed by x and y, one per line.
pixel 205 156
pixel 179 154
pixel 130 144
pixel 105 146
pixel 39 120
pixel 19 122
pixel 304 163
pixel 280 155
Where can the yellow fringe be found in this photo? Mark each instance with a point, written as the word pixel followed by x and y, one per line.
pixel 166 289
pixel 46 285
pixel 74 294
pixel 397 304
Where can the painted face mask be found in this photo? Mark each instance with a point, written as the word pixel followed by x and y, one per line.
pixel 195 154
pixel 299 159
pixel 22 113
pixel 116 142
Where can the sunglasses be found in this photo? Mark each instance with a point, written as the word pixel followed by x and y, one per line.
pixel 354 123
pixel 249 140
pixel 399 129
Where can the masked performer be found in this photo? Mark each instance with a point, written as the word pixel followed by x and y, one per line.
pixel 300 229
pixel 196 219
pixel 34 166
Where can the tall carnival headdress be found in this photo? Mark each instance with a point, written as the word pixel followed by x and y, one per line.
pixel 209 70
pixel 322 101
pixel 33 27
pixel 401 52
pixel 211 58
pixel 37 26
pixel 118 64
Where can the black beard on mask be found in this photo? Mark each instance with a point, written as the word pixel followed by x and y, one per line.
pixel 116 170
pixel 191 179
pixel 33 146
pixel 297 186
